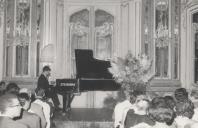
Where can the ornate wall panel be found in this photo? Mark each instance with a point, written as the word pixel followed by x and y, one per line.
pixel 82 26
pixel 161 27
pixel 21 34
pixel 104 32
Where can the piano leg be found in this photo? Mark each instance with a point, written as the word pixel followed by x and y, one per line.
pixel 64 102
pixel 71 97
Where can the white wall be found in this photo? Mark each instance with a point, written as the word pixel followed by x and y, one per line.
pixel 1 43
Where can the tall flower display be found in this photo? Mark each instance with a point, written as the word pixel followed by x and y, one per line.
pixel 131 72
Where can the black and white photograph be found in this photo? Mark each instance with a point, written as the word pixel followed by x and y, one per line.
pixel 98 63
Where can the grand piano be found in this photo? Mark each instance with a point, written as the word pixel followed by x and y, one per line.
pixel 91 75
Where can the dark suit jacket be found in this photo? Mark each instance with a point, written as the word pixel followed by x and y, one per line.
pixel 43 82
pixel 6 122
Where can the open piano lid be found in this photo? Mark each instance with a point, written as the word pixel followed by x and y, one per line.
pixel 93 74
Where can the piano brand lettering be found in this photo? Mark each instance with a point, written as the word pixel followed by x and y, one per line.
pixel 67 84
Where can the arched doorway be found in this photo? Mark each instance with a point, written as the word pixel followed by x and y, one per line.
pixel 188 73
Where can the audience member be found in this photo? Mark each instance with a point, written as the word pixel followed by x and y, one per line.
pixel 161 113
pixel 184 112
pixel 12 88
pixel 10 108
pixel 40 94
pixel 122 107
pixel 139 113
pixel 30 119
pixel 35 108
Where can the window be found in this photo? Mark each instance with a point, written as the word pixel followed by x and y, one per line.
pixel 21 60
pixel 21 38
pixel 161 36
pixel 91 29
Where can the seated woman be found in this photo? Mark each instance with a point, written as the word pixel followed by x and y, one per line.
pixel 161 113
pixel 184 113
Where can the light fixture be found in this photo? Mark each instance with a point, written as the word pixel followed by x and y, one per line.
pixel 162 38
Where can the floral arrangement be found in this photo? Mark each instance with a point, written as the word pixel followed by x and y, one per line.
pixel 131 71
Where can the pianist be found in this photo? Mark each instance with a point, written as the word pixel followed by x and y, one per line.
pixel 44 84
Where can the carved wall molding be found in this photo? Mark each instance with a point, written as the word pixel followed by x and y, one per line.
pixel 105 29
pixel 125 3
pixel 60 3
pixel 187 47
pixel 79 29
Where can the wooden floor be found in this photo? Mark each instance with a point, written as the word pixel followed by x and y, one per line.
pixel 85 114
pixel 84 118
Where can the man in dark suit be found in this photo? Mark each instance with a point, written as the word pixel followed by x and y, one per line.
pixel 9 109
pixel 44 84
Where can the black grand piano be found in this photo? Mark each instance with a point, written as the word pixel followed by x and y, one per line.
pixel 91 75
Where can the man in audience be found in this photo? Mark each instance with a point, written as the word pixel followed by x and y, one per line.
pixel 12 88
pixel 121 108
pixel 43 83
pixel 30 119
pixel 139 113
pixel 40 94
pixel 10 108
pixel 35 108
pixel 161 113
